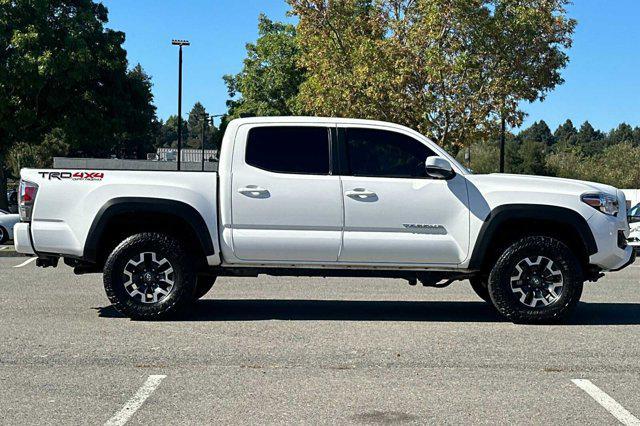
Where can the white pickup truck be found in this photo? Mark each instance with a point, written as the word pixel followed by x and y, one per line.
pixel 326 197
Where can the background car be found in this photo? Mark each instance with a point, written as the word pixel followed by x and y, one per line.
pixel 12 197
pixel 634 225
pixel 7 221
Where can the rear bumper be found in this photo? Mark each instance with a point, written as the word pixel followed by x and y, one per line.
pixel 22 239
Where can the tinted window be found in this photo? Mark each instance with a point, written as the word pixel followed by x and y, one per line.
pixel 383 153
pixel 289 149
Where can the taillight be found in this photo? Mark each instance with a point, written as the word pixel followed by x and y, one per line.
pixel 26 198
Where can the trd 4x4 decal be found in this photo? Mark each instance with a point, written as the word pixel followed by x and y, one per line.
pixel 72 175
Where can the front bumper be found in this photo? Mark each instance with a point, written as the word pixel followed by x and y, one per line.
pixel 610 255
pixel 22 239
pixel 629 262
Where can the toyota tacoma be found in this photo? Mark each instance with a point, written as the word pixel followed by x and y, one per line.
pixel 299 196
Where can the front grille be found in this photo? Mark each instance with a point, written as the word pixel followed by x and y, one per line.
pixel 622 241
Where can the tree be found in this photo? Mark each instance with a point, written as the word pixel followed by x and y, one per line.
pixel 590 140
pixel 622 133
pixel 533 154
pixel 449 68
pixel 538 132
pixel 168 134
pixel 483 157
pixel 566 163
pixel 194 126
pixel 61 68
pixel 269 81
pixel 40 156
pixel 566 134
pixel 613 166
pixel 136 110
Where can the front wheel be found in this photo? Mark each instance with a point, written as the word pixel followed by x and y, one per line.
pixel 536 280
pixel 479 285
pixel 149 276
pixel 4 235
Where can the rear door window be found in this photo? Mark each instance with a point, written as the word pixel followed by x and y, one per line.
pixel 289 149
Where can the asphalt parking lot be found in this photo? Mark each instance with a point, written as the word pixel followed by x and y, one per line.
pixel 290 350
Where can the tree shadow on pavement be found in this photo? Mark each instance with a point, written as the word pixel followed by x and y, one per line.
pixel 369 310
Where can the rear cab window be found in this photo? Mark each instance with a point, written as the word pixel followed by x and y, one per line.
pixel 289 149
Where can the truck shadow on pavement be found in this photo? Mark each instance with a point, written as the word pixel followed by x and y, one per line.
pixel 369 310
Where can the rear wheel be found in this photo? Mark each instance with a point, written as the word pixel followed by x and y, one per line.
pixel 149 276
pixel 203 285
pixel 536 280
pixel 4 235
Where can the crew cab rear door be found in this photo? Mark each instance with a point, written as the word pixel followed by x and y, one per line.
pixel 394 213
pixel 286 205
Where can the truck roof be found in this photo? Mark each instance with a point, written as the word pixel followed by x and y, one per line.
pixel 307 119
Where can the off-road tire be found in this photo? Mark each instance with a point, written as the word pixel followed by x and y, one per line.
pixel 507 302
pixel 4 235
pixel 479 285
pixel 203 285
pixel 165 246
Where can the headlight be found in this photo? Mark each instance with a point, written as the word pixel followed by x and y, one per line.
pixel 607 204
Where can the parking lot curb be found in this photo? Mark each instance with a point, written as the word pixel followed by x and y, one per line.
pixel 9 252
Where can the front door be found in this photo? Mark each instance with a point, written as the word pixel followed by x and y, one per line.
pixel 394 213
pixel 286 206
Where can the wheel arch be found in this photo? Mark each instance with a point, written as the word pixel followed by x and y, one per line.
pixel 124 216
pixel 507 223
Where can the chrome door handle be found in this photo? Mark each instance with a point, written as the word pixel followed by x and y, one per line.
pixel 360 193
pixel 253 191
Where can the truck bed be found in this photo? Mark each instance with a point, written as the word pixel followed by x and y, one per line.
pixel 70 201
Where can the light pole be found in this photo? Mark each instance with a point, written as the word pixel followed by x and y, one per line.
pixel 205 119
pixel 502 141
pixel 180 43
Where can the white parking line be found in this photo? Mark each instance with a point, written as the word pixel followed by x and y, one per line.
pixel 129 409
pixel 610 404
pixel 26 262
pixel 3 247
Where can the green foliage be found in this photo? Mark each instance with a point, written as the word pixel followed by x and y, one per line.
pixel 481 157
pixel 194 125
pixel 538 132
pixel 39 156
pixel 615 165
pixel 566 135
pixel 447 68
pixel 590 140
pixel 167 134
pixel 527 153
pixel 533 154
pixel 270 78
pixel 61 68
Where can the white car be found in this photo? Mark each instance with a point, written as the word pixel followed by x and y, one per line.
pixel 7 222
pixel 310 196
pixel 634 225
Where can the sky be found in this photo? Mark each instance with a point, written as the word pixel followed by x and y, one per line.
pixel 602 80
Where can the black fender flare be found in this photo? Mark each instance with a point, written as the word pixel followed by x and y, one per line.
pixel 502 214
pixel 124 205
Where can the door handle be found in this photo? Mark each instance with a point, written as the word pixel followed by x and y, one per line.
pixel 253 191
pixel 360 194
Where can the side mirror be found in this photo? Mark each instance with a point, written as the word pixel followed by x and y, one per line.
pixel 439 168
pixel 633 219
